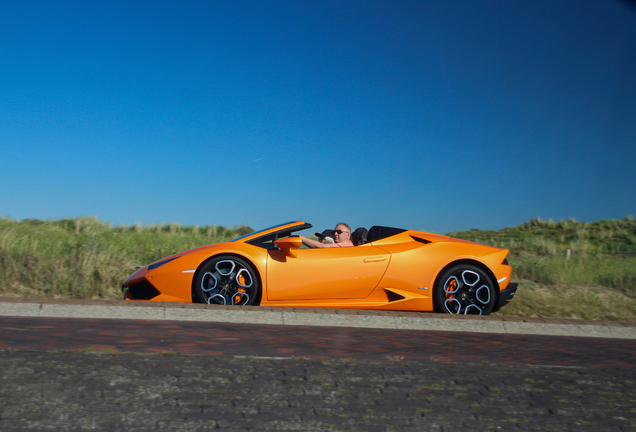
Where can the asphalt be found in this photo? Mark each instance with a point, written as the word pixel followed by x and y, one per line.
pixel 115 365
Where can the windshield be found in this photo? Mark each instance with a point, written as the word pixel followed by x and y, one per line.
pixel 260 231
pixel 267 241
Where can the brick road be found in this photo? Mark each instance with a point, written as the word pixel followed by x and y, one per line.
pixel 233 339
pixel 116 375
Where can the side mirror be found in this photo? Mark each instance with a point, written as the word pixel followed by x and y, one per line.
pixel 287 244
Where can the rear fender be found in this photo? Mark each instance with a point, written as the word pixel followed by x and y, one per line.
pixel 477 264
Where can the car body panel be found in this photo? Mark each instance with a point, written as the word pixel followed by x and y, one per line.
pixel 395 272
pixel 331 273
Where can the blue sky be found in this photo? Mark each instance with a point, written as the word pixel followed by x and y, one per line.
pixel 430 115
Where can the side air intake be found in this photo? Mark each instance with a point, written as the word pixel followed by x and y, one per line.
pixel 393 296
pixel 421 240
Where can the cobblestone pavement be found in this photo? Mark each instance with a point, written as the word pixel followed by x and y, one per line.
pixel 126 375
pixel 100 391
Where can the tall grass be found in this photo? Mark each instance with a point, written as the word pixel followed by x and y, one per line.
pixel 569 268
pixel 602 252
pixel 86 258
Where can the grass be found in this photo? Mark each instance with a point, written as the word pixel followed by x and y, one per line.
pixel 86 258
pixel 569 269
pixel 566 269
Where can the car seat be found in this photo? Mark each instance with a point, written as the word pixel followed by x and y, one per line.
pixel 359 236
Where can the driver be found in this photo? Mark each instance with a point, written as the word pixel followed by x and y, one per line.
pixel 342 238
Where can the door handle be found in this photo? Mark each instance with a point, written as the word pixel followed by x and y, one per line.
pixel 374 259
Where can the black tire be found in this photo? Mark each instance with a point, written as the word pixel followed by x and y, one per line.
pixel 227 280
pixel 464 289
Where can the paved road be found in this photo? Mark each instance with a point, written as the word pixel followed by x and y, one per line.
pixel 233 339
pixel 61 373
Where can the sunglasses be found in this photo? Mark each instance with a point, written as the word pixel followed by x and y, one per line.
pixel 340 231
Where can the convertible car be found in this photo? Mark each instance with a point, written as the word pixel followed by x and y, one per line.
pixel 387 269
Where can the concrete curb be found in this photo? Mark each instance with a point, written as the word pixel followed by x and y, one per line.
pixel 112 309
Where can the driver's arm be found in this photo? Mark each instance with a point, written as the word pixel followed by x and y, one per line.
pixel 313 243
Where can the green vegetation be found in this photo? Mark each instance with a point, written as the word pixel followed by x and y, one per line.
pixel 566 269
pixel 569 269
pixel 86 258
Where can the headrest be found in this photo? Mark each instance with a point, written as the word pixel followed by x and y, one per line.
pixel 359 236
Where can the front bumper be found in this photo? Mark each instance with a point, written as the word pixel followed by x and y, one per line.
pixel 142 290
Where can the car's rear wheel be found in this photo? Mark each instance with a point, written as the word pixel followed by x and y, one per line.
pixel 464 289
pixel 227 280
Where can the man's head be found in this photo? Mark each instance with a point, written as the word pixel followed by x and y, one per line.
pixel 342 232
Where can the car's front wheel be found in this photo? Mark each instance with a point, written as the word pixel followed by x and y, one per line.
pixel 464 289
pixel 227 280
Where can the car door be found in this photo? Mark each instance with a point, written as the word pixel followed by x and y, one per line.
pixel 329 273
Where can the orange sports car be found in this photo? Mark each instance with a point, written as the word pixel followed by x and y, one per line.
pixel 387 269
